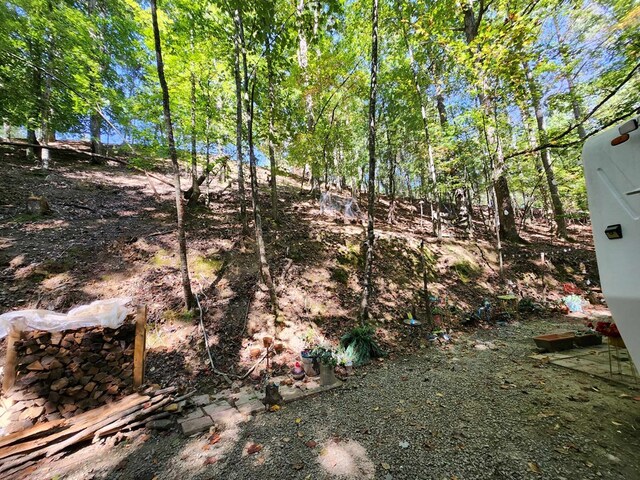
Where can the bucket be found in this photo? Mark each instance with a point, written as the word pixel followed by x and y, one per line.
pixel 327 375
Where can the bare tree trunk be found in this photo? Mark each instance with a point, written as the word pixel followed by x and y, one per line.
pixel 504 206
pixel 239 121
pixel 373 90
pixel 391 217
pixel 545 155
pixel 271 137
pixel 576 104
pixel 265 273
pixel 195 186
pixel 526 117
pixel 435 201
pixel 182 242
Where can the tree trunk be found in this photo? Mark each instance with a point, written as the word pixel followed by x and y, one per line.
pixel 507 222
pixel 545 155
pixel 576 103
pixel 182 242
pixel 526 117
pixel 95 129
pixel 265 273
pixel 195 186
pixel 271 136
pixel 239 121
pixel 433 187
pixel 373 90
pixel 391 217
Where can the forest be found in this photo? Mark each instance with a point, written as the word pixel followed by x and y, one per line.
pixel 317 169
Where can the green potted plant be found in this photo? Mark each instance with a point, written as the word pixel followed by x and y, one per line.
pixel 308 356
pixel 328 362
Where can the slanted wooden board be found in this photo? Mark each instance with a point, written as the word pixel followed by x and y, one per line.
pixel 72 426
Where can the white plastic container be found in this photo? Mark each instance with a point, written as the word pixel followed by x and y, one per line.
pixel 613 187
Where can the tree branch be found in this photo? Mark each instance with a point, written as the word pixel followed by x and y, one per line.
pixel 552 143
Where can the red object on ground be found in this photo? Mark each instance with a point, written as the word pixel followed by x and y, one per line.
pixel 571 288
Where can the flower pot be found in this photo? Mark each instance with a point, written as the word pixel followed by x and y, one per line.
pixel 587 340
pixel 310 364
pixel 349 368
pixel 327 375
pixel 616 342
pixel 555 342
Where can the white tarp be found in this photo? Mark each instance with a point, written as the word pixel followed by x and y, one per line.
pixel 101 313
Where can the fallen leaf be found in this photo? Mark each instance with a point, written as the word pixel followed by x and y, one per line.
pixel 375 409
pixel 274 408
pixel 617 424
pixel 213 439
pixel 298 466
pixel 534 467
pixel 298 420
pixel 637 399
pixel 386 466
pixel 311 444
pixel 210 460
pixel 254 448
pixel 438 394
pixel 300 434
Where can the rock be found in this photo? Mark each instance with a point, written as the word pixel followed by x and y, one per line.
pixel 251 408
pixel 38 205
pixel 481 347
pixel 201 400
pixel 196 425
pixel 159 424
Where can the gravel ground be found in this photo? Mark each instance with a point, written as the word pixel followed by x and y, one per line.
pixel 459 413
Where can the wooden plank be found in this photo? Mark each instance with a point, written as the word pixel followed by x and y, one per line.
pixel 11 361
pixel 32 431
pixel 76 424
pixel 140 346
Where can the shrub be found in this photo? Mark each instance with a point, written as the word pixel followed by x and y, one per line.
pixel 360 343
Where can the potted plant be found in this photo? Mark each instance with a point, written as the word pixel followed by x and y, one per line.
pixel 610 330
pixel 436 315
pixel 345 358
pixel 308 356
pixel 328 363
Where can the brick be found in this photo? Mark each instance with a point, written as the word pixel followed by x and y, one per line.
pixel 196 425
pixel 201 400
pixel 251 408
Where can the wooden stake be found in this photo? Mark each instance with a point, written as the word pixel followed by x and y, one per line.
pixel 11 361
pixel 140 346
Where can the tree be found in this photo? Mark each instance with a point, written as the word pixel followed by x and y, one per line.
pixel 182 242
pixel 371 146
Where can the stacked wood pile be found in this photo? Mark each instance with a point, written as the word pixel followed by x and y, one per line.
pixel 22 450
pixel 62 374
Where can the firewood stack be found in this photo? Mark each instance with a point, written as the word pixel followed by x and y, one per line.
pixel 23 452
pixel 63 374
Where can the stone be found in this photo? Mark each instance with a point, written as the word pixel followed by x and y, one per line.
pixel 197 413
pixel 201 400
pixel 251 408
pixel 159 424
pixel 481 347
pixel 196 425
pixel 290 394
pixel 213 408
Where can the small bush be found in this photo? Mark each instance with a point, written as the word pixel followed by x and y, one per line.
pixel 360 343
pixel 465 270
pixel 340 275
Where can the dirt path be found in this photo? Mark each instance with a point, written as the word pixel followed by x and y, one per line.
pixel 459 413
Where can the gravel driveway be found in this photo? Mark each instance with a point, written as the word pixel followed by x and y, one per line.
pixel 456 413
